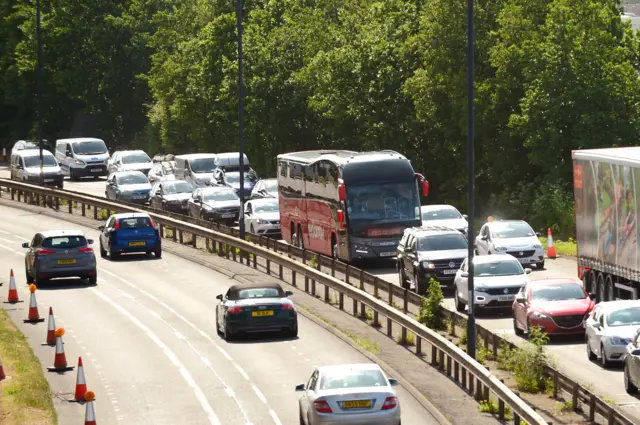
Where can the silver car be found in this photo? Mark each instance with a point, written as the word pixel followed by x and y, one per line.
pixel 353 394
pixel 609 328
pixel 129 186
pixel 262 216
pixel 59 253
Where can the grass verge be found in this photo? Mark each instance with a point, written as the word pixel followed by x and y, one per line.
pixel 567 248
pixel 25 397
pixel 366 343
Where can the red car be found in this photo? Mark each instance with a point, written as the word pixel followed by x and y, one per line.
pixel 557 306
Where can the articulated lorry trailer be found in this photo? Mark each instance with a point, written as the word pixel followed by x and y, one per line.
pixel 606 186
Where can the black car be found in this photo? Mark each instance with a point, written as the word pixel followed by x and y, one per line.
pixel 172 196
pixel 218 204
pixel 256 307
pixel 430 252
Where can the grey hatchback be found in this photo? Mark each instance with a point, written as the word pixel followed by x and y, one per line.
pixel 59 253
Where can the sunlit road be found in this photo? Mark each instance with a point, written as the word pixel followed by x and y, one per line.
pixel 152 355
pixel 88 185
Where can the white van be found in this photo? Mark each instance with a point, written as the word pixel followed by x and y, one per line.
pixel 82 157
pixel 25 166
pixel 196 168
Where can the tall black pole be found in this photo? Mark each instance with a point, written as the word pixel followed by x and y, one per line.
pixel 39 128
pixel 240 116
pixel 471 322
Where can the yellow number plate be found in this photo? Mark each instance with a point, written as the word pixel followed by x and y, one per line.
pixel 66 261
pixel 137 243
pixel 356 404
pixel 262 313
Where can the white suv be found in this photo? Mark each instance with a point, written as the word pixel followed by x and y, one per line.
pixel 513 237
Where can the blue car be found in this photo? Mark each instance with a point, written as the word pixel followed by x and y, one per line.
pixel 129 233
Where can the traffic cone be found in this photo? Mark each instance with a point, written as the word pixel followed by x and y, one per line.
pixel 89 414
pixel 2 375
pixel 551 250
pixel 60 360
pixel 81 383
pixel 13 291
pixel 51 329
pixel 34 316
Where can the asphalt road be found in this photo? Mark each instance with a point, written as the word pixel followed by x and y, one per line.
pixel 570 353
pixel 147 336
pixel 89 186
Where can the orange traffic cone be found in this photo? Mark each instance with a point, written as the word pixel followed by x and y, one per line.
pixel 51 329
pixel 81 383
pixel 2 375
pixel 13 291
pixel 60 361
pixel 551 250
pixel 34 316
pixel 89 414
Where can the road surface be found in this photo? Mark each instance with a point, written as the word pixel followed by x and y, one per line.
pixel 147 337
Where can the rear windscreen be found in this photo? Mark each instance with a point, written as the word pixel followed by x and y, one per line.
pixel 63 242
pixel 135 223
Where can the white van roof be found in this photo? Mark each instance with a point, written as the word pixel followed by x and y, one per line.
pixel 196 156
pixel 79 140
pixel 33 152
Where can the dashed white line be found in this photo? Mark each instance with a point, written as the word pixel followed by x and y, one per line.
pixel 258 393
pixel 3 232
pixel 6 240
pixel 7 248
pixel 204 403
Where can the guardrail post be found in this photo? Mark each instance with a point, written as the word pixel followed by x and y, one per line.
pixel 255 260
pixel 207 244
pixel 194 240
pixel 57 204
pixel 326 293
pixel 485 392
pixel 70 202
pixel 405 301
pixel 280 271
pixel 233 252
pixel 83 207
pixel 293 277
pixel 501 406
pixel 456 371
pixel 611 419
pixel 37 199
pixel 555 384
pixel 268 267
pixel 333 268
pixel 180 236
pixel 434 356
pixel 341 301
pixel 441 357
pixel 346 274
pixel 472 384
pixel 313 287
pixel 390 292
pixel 362 280
pixel 355 307
pixel 376 285
pixel 306 284
pixel 496 345
pixel 574 395
pixel 592 407
pixel 418 346
pixel 464 378
pixel 389 328
pixel 516 419
pixel 449 366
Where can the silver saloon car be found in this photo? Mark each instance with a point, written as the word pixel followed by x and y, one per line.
pixel 59 253
pixel 610 328
pixel 351 394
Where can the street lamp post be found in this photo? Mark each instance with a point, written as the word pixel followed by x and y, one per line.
pixel 39 83
pixel 240 118
pixel 471 321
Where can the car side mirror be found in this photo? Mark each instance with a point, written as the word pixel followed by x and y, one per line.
pixel 538 234
pixel 635 352
pixel 100 228
pixel 592 295
pixel 219 297
pixel 89 241
pixel 393 382
pixel 466 217
pixel 527 271
pixel 300 387
pixel 25 244
pixel 288 293
pixel 484 238
pixel 68 154
pixel 464 274
pixel 521 300
pixel 597 325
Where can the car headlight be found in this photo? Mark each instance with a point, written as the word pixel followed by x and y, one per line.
pixel 78 162
pixel 615 340
pixel 501 248
pixel 540 315
pixel 538 246
pixel 480 288
pixel 428 265
pixel 263 222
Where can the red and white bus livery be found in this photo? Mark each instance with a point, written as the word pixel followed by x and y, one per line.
pixel 349 205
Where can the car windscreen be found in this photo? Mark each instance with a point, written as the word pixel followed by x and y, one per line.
pixel 34 161
pixel 271 185
pixel 64 242
pixel 89 148
pixel 499 268
pixel 512 230
pixel 440 214
pixel 339 378
pixel 177 187
pixel 135 158
pixel 132 179
pixel 220 195
pixel 624 317
pixel 566 291
pixel 266 207
pixel 442 242
pixel 257 293
pixel 134 223
pixel 233 177
pixel 203 165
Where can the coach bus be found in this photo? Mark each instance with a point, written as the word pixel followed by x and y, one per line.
pixel 348 205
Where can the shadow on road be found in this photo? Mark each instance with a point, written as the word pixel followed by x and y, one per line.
pixel 132 258
pixel 262 338
pixel 58 284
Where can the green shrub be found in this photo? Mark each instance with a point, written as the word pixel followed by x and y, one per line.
pixel 431 307
pixel 529 362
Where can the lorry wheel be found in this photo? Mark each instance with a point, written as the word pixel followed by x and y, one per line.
pixel 611 291
pixel 600 293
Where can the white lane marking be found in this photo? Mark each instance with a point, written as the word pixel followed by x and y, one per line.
pixel 2 231
pixel 19 253
pixel 192 326
pixel 6 240
pixel 22 238
pixel 274 417
pixel 7 248
pixel 213 419
pixel 205 360
pixel 258 393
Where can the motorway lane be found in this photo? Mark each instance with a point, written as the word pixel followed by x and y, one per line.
pixel 147 330
pixel 89 186
pixel 570 353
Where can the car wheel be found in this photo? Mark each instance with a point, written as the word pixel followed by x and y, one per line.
pixel 529 327
pixel 301 417
pixel 93 280
pixel 402 281
pixel 72 175
pixel 158 253
pixel 420 290
pixel 26 272
pixel 228 336
pixel 540 265
pixel 293 332
pixel 251 229
pixel 103 253
pixel 603 358
pixel 61 186
pixel 456 299
pixel 113 255
pixel 628 385
pixel 590 355
pixel 516 329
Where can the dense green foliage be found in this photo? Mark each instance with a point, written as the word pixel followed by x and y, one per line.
pixel 551 76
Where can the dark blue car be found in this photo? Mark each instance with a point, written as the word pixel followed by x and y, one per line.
pixel 129 233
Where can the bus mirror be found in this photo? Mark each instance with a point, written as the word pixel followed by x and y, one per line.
pixel 340 216
pixel 425 188
pixel 342 192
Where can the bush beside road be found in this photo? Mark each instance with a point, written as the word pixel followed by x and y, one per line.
pixel 563 248
pixel 25 397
